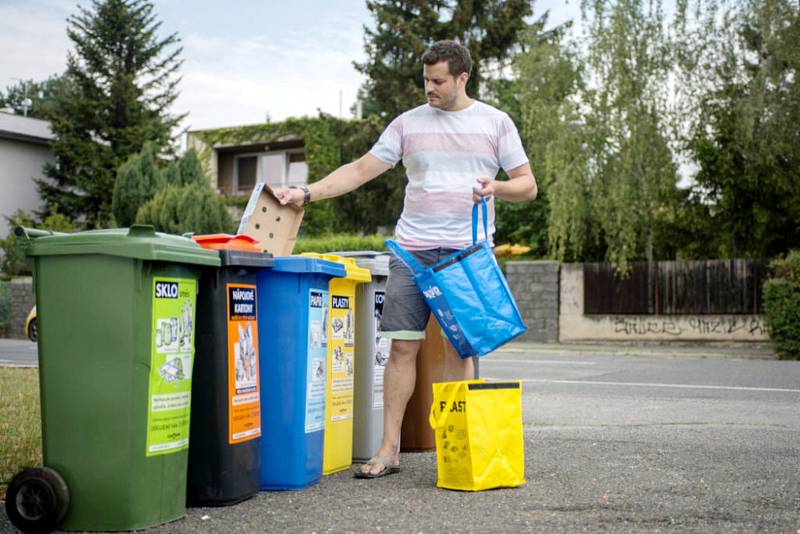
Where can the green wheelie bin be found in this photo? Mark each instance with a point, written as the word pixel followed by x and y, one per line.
pixel 116 349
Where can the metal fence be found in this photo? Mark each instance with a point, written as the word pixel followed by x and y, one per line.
pixel 676 288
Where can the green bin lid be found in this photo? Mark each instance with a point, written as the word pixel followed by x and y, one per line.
pixel 139 241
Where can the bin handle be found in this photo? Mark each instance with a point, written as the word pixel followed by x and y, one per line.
pixel 27 234
pixel 141 230
pixel 24 238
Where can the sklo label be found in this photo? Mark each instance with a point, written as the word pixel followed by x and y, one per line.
pixel 166 290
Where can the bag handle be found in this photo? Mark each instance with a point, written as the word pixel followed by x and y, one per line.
pixel 438 422
pixel 401 254
pixel 485 212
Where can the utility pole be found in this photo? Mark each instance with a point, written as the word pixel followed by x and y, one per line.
pixel 26 102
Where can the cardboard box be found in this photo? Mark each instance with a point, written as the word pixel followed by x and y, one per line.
pixel 274 226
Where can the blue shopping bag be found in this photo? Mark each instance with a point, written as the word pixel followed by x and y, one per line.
pixel 468 294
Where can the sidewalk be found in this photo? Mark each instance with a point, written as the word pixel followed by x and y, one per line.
pixel 747 351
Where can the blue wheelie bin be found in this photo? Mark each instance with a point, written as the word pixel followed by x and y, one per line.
pixel 293 351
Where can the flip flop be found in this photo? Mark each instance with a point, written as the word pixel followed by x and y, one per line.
pixel 388 468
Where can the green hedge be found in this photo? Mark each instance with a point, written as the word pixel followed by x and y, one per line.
pixel 237 201
pixel 782 305
pixel 190 208
pixel 340 242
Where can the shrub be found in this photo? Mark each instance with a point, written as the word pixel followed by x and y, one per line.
pixel 340 242
pixel 185 170
pixel 12 263
pixel 782 305
pixel 191 208
pixel 138 180
pixel 237 201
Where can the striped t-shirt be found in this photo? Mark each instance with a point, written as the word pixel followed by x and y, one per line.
pixel 444 153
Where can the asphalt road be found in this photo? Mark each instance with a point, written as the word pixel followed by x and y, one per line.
pixel 18 353
pixel 622 439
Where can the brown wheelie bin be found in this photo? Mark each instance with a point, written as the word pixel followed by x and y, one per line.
pixel 416 434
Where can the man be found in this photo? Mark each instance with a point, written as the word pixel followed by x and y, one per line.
pixel 452 148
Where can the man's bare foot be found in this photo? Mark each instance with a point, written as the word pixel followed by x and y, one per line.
pixel 382 460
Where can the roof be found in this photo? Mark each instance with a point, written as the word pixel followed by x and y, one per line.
pixel 23 128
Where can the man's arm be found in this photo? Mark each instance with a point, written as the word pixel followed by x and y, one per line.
pixel 520 186
pixel 343 180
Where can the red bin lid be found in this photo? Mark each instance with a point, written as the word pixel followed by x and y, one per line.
pixel 227 242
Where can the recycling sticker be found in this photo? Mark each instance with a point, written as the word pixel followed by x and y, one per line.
pixel 171 360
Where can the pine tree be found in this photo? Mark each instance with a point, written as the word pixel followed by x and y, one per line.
pixel 190 208
pixel 185 170
pixel 120 82
pixel 138 180
pixel 490 29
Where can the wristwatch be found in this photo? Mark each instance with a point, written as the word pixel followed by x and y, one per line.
pixel 306 193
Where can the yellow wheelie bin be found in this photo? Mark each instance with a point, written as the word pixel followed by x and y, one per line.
pixel 338 443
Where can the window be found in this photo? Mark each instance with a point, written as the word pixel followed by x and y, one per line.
pixel 277 169
pixel 246 169
pixel 273 169
pixel 298 169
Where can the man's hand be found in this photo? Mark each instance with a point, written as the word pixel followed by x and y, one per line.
pixel 484 189
pixel 520 186
pixel 290 196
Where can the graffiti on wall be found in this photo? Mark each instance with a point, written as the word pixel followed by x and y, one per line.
pixel 753 326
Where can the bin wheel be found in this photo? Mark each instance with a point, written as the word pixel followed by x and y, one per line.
pixel 37 500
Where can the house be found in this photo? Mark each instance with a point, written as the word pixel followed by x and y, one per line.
pixel 295 151
pixel 236 166
pixel 24 150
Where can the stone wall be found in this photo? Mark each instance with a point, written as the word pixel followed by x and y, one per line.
pixel 22 300
pixel 534 285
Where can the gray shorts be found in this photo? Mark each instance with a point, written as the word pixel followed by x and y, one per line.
pixel 405 313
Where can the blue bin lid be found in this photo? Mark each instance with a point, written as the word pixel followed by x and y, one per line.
pixel 303 265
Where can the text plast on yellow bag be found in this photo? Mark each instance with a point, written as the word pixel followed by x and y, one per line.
pixel 483 447
pixel 458 406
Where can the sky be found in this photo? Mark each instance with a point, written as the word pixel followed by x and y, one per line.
pixel 243 60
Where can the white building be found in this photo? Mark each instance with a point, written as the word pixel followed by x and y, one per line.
pixel 24 149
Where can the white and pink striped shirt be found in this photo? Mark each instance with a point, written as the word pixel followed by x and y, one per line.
pixel 444 153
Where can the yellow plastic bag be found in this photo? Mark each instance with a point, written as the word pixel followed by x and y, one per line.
pixel 478 427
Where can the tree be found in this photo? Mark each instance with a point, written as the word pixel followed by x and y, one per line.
pixel 191 208
pixel 375 205
pixel 747 145
pixel 490 29
pixel 119 84
pixel 185 170
pixel 613 172
pixel 538 99
pixel 42 96
pixel 138 180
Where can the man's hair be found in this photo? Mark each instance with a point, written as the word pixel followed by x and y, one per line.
pixel 456 55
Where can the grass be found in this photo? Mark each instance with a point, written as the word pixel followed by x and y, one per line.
pixel 20 423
